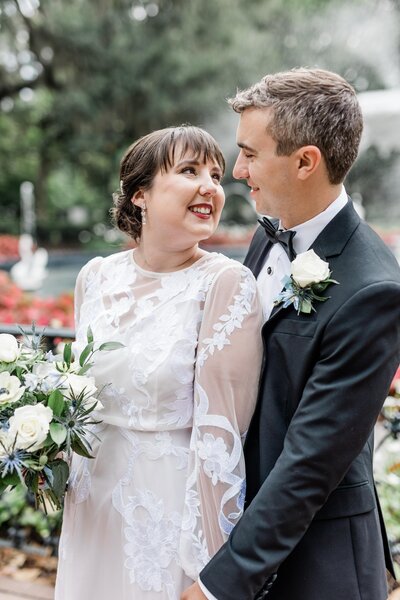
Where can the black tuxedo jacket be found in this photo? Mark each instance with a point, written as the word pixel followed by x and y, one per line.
pixel 311 511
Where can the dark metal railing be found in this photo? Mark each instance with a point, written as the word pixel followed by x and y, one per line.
pixel 48 332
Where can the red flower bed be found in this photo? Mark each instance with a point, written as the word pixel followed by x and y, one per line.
pixel 17 306
pixel 8 247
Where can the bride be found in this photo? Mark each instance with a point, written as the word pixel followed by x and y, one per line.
pixel 167 483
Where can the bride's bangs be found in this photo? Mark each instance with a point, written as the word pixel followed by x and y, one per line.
pixel 184 140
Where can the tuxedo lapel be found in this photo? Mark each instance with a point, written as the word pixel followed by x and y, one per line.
pixel 331 241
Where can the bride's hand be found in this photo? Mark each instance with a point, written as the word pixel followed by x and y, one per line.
pixel 193 593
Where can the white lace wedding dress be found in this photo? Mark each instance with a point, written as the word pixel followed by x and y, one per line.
pixel 166 485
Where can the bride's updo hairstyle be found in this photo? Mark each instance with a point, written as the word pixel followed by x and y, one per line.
pixel 157 151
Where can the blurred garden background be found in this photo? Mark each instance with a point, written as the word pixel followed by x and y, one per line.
pixel 80 80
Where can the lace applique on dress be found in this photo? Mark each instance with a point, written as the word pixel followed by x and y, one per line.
pixel 166 485
pixel 152 542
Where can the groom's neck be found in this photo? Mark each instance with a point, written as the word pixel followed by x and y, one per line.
pixel 311 200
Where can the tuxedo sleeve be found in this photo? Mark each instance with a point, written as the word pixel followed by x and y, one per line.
pixel 359 354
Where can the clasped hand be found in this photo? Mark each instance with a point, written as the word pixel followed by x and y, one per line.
pixel 193 593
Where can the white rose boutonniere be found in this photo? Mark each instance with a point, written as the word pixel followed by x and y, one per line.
pixel 310 276
pixel 309 268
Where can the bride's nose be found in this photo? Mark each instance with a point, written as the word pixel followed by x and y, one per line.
pixel 208 186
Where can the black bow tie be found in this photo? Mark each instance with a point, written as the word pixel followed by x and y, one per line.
pixel 278 236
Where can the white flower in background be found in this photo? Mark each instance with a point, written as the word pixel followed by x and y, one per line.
pixel 6 443
pixel 10 388
pixel 30 425
pixel 48 376
pixel 9 349
pixel 74 385
pixel 31 381
pixel 308 268
pixel 51 357
pixel 213 451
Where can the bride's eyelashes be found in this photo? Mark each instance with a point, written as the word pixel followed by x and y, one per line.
pixel 193 171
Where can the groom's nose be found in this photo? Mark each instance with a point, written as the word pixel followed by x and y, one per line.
pixel 240 170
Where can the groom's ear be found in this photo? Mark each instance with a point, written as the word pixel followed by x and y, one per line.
pixel 308 159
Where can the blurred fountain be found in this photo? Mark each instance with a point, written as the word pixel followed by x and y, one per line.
pixel 30 272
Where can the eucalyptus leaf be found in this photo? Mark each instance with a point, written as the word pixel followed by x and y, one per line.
pixel 85 369
pixel 58 433
pixel 320 287
pixel 67 355
pixel 11 479
pixel 305 306
pixel 89 335
pixel 111 346
pixel 32 481
pixel 60 471
pixel 3 486
pixel 78 446
pixel 87 351
pixel 320 298
pixel 48 441
pixel 56 402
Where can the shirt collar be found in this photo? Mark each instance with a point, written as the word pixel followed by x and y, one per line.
pixel 307 233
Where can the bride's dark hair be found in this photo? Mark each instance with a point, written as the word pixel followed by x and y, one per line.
pixel 151 153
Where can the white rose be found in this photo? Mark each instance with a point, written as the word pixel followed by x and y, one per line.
pixel 31 425
pixel 9 349
pixel 10 388
pixel 74 385
pixel 309 268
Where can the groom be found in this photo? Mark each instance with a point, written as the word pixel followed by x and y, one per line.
pixel 312 528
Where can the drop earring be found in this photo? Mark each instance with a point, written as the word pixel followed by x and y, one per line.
pixel 143 214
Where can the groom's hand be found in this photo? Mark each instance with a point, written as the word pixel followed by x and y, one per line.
pixel 193 593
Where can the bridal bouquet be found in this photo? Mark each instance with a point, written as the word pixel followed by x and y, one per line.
pixel 48 404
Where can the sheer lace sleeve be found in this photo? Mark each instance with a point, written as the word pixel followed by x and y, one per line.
pixel 80 287
pixel 225 388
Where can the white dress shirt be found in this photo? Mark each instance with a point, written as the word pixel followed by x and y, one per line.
pixel 277 266
pixel 277 263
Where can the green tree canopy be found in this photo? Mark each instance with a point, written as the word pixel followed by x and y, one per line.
pixel 81 79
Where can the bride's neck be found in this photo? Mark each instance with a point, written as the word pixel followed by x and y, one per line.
pixel 162 260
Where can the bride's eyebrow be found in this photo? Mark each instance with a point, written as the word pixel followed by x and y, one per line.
pixel 187 161
pixel 195 162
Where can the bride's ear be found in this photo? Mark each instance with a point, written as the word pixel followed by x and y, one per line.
pixel 138 198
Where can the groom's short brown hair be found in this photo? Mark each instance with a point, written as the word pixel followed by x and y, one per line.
pixel 310 107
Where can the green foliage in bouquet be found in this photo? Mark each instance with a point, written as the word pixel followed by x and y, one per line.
pixel 48 405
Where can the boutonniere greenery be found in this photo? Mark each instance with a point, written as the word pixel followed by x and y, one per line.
pixel 309 278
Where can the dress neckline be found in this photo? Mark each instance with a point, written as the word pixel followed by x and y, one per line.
pixel 200 260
